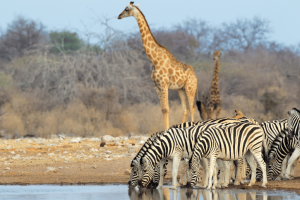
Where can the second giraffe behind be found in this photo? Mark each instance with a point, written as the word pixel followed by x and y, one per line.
pixel 168 73
pixel 211 101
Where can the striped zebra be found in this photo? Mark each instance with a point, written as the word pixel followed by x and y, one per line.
pixel 135 163
pixel 280 148
pixel 294 129
pixel 229 143
pixel 173 145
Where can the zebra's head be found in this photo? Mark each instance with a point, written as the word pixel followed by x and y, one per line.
pixel 147 173
pixel 273 170
pixel 134 174
pixel 194 166
pixel 294 122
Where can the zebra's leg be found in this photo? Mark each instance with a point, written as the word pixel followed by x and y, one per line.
pixel 294 166
pixel 232 171
pixel 185 173
pixel 222 173
pixel 176 162
pixel 292 159
pixel 250 159
pixel 215 176
pixel 205 175
pixel 258 157
pixel 244 171
pixel 227 165
pixel 211 170
pixel 283 167
pixel 161 173
pixel 238 171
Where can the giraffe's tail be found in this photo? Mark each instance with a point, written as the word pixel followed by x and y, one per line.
pixel 200 109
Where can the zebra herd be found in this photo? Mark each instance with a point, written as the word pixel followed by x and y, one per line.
pixel 233 143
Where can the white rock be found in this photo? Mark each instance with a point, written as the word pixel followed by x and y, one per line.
pixel 38 154
pixel 144 138
pixel 94 150
pixel 7 168
pixel 17 157
pixel 107 159
pixel 24 151
pixel 60 168
pixel 132 150
pixel 75 140
pixel 29 141
pixel 108 152
pixel 65 152
pixel 8 147
pixel 51 154
pixel 95 139
pixel 141 142
pixel 12 152
pixel 50 169
pixel 108 138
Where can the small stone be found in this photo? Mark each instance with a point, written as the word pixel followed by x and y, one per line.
pixel 94 150
pixel 75 140
pixel 108 152
pixel 127 172
pixel 7 168
pixel 60 168
pixel 51 154
pixel 12 152
pixel 24 151
pixel 17 157
pixel 108 138
pixel 51 169
pixel 141 142
pixel 102 144
pixel 65 152
pixel 94 166
pixel 29 141
pixel 38 154
pixel 8 147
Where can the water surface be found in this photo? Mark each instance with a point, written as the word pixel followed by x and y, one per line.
pixel 93 192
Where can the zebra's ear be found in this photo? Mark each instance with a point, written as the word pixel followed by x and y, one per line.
pixel 289 113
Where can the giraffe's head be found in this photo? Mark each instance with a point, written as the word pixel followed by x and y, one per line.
pixel 217 55
pixel 130 10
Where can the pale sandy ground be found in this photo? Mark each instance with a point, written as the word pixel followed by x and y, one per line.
pixel 27 161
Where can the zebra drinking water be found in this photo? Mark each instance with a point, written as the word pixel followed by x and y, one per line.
pixel 229 143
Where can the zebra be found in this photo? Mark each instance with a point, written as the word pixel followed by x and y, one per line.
pixel 294 129
pixel 173 144
pixel 135 163
pixel 280 148
pixel 229 143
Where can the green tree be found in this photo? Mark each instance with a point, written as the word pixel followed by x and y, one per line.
pixel 65 42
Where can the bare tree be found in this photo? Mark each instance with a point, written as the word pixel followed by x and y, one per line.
pixel 21 34
pixel 244 34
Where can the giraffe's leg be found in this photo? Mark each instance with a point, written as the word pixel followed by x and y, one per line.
pixel 184 104
pixel 190 91
pixel 210 111
pixel 164 103
pixel 204 114
pixel 218 111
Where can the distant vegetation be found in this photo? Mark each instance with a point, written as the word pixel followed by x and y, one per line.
pixel 57 82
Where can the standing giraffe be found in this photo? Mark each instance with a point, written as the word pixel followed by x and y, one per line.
pixel 211 101
pixel 168 73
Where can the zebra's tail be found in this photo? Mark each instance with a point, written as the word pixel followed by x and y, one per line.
pixel 265 150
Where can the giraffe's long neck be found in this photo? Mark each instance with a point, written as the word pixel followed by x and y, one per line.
pixel 215 80
pixel 149 42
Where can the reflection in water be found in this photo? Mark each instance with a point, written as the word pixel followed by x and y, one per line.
pixel 203 194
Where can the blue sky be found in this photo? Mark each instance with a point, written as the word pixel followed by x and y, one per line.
pixel 80 15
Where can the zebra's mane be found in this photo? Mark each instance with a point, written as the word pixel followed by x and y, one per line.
pixel 297 111
pixel 276 144
pixel 145 147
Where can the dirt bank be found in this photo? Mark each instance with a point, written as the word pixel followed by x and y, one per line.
pixel 63 161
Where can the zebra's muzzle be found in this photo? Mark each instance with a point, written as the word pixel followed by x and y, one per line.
pixel 140 184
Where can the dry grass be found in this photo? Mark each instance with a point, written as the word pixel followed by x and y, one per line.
pixel 112 93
